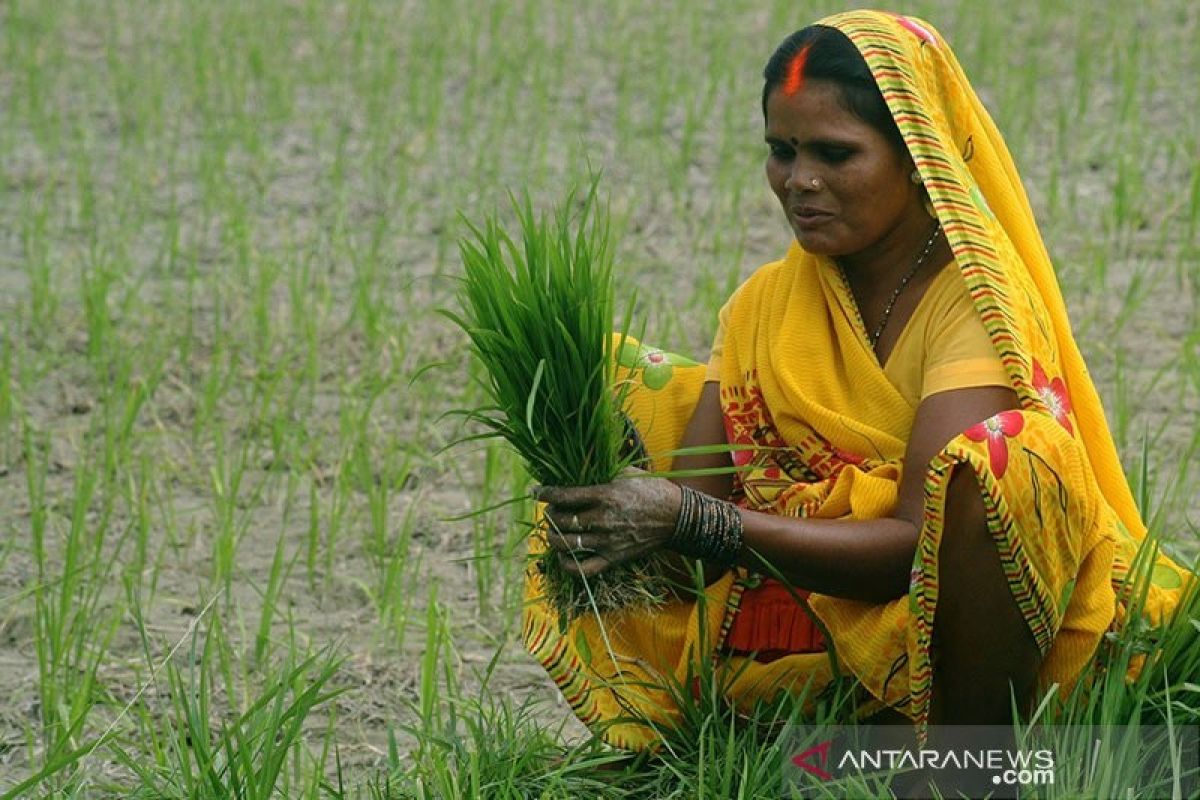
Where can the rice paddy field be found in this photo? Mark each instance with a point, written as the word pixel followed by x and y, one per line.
pixel 234 560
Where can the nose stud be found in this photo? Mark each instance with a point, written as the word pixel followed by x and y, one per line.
pixel 814 184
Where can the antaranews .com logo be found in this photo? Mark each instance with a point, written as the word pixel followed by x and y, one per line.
pixel 1149 761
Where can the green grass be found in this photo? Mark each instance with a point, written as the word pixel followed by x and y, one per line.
pixel 227 227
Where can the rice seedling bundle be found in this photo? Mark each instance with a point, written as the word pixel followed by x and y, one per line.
pixel 539 312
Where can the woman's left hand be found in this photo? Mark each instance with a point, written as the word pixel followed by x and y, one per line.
pixel 595 527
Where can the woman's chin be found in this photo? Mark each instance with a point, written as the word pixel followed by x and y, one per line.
pixel 817 245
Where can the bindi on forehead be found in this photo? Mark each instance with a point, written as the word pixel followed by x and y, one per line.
pixel 794 80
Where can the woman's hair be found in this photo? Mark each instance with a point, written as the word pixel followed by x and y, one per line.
pixel 819 52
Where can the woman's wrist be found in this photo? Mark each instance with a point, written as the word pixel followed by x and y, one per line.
pixel 707 528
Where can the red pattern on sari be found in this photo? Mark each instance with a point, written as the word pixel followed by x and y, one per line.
pixel 770 624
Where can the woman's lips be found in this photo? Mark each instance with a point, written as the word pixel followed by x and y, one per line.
pixel 807 217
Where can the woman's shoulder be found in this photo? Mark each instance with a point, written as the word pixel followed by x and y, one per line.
pixel 945 302
pixel 952 347
pixel 760 280
pixel 948 286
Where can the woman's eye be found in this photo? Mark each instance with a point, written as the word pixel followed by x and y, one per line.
pixel 782 152
pixel 834 155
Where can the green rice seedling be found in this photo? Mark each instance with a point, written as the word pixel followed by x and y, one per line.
pixel 539 316
pixel 483 531
pixel 482 744
pixel 369 305
pixel 396 573
pixel 246 756
pixel 275 415
pixel 388 549
pixel 136 492
pixel 306 308
pixel 1193 201
pixel 266 277
pixel 43 302
pixel 72 763
pixel 229 521
pixel 313 532
pixel 96 283
pixel 500 750
pixel 74 623
pixel 335 521
pixel 281 568
pixel 217 380
pixel 430 706
pixel 7 401
pixel 379 497
pixel 123 397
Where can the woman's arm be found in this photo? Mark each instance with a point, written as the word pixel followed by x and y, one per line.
pixel 706 427
pixel 869 559
pixel 866 560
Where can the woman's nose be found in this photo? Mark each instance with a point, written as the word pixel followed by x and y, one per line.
pixel 803 179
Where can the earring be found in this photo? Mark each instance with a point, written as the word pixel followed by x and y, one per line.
pixel 915 177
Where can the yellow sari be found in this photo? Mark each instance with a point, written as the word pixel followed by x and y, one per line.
pixel 799 379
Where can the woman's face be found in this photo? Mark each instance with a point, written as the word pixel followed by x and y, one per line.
pixel 863 198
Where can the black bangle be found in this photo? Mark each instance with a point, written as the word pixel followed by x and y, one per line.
pixel 707 528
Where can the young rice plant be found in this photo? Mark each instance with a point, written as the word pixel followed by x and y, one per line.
pixel 539 314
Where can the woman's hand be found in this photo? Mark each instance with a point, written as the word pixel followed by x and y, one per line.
pixel 595 527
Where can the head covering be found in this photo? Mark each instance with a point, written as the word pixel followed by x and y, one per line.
pixel 983 208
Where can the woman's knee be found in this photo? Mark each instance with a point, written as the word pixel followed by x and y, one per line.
pixel 965 513
pixel 966 553
pixel 978 621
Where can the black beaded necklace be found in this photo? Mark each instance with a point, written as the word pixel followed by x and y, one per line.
pixel 873 338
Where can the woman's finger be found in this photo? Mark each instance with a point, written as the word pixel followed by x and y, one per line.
pixel 567 542
pixel 587 567
pixel 567 521
pixel 570 497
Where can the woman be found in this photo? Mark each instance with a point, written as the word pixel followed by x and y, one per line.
pixel 922 453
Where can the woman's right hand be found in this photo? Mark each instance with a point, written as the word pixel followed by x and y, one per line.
pixel 595 527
